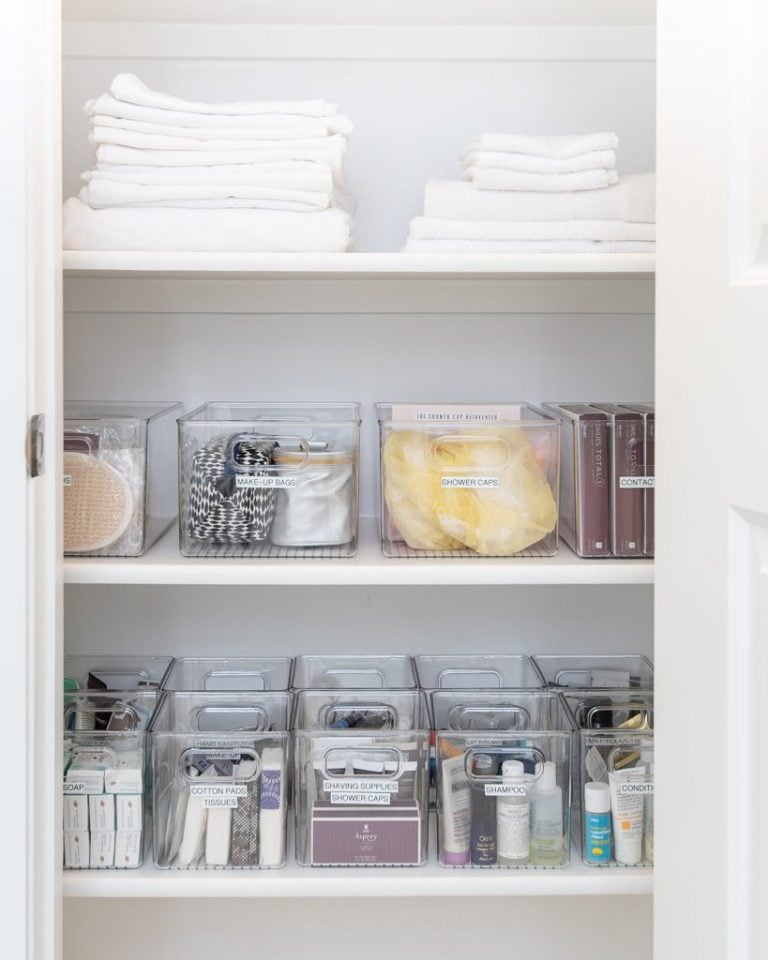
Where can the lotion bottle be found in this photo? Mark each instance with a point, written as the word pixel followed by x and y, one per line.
pixel 547 819
pixel 513 816
pixel 597 823
pixel 483 842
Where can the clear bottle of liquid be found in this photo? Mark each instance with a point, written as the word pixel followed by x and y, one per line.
pixel 547 819
pixel 513 816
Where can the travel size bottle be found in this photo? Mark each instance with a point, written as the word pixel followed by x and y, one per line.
pixel 547 819
pixel 483 833
pixel 597 823
pixel 513 816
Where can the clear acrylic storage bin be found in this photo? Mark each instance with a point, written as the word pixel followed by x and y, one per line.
pixel 354 672
pixel 230 673
pixel 612 670
pixel 86 671
pixel 361 778
pixel 613 780
pixel 105 778
pixel 503 778
pixel 269 480
pixel 220 767
pixel 492 671
pixel 468 480
pixel 607 477
pixel 119 477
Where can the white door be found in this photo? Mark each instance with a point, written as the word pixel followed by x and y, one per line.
pixel 29 565
pixel 711 889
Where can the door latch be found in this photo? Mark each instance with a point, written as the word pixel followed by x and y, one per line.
pixel 36 445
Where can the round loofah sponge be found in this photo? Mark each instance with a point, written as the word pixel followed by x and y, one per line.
pixel 98 504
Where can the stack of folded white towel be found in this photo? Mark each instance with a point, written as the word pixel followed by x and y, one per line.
pixel 171 174
pixel 538 194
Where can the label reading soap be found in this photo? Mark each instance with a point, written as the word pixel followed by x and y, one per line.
pixel 637 483
pixel 469 483
pixel 244 482
pixel 506 790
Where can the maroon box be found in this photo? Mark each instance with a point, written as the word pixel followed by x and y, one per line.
pixel 358 835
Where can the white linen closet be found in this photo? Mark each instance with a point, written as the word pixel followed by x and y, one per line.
pixel 419 80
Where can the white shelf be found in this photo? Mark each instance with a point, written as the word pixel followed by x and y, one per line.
pixel 430 880
pixel 120 263
pixel 164 565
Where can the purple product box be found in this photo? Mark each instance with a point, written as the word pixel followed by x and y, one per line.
pixel 627 463
pixel 366 835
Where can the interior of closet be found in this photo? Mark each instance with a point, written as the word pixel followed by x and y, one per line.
pixel 419 80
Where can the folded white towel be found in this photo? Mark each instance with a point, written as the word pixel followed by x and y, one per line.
pixel 528 163
pixel 285 175
pixel 302 128
pixel 488 178
pixel 632 199
pixel 100 194
pixel 329 151
pixel 545 146
pixel 128 87
pixel 147 228
pixel 334 145
pixel 107 106
pixel 528 246
pixel 431 228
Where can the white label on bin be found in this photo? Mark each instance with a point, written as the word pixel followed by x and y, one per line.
pixel 67 479
pixel 78 787
pixel 216 750
pixel 637 483
pixel 361 798
pixel 506 790
pixel 271 483
pixel 364 786
pixel 630 788
pixel 217 795
pixel 470 483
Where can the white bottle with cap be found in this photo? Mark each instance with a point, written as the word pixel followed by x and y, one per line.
pixel 597 823
pixel 513 816
pixel 547 819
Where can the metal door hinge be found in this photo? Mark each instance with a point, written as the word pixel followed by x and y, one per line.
pixel 36 445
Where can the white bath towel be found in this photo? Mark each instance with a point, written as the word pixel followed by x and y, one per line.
pixel 488 178
pixel 545 146
pixel 330 151
pixel 107 105
pixel 528 246
pixel 286 175
pixel 150 141
pixel 147 228
pixel 528 163
pixel 128 87
pixel 430 228
pixel 302 128
pixel 633 199
pixel 100 194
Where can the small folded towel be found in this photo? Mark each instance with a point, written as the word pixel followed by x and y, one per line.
pixel 329 151
pixel 285 175
pixel 127 87
pixel 333 145
pixel 251 231
pixel 430 228
pixel 107 106
pixel 100 194
pixel 488 178
pixel 528 163
pixel 302 128
pixel 528 246
pixel 545 146
pixel 632 199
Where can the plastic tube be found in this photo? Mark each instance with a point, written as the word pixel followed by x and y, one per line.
pixel 628 788
pixel 455 819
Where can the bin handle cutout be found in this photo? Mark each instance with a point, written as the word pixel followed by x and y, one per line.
pixel 358 716
pixel 202 715
pixel 299 443
pixel 445 440
pixel 256 676
pixel 500 717
pixel 639 719
pixel 448 676
pixel 371 676
pixel 219 766
pixel 530 754
pixel 372 763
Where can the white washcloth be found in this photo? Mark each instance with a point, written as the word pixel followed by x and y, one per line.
pixel 488 178
pixel 528 246
pixel 545 146
pixel 335 144
pixel 147 228
pixel 287 175
pixel 633 199
pixel 329 151
pixel 528 163
pixel 302 128
pixel 128 87
pixel 430 228
pixel 100 194
pixel 107 105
